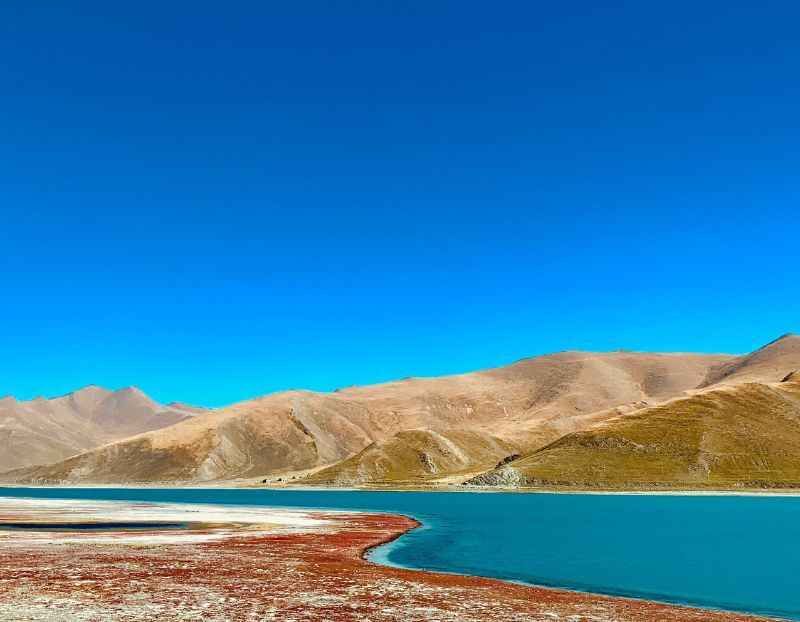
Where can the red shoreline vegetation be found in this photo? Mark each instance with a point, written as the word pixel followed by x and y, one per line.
pixel 310 576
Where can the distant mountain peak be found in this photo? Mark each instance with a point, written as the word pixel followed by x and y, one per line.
pixel 788 338
pixel 769 363
pixel 49 430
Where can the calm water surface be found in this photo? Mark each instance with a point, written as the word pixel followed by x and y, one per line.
pixel 737 553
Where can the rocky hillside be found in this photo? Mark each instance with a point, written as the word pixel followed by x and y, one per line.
pixel 522 406
pixel 42 431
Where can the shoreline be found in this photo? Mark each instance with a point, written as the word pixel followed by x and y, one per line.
pixel 383 559
pixel 314 566
pixel 778 492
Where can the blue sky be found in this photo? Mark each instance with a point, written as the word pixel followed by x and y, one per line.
pixel 213 201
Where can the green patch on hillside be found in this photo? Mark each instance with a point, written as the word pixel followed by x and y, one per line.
pixel 417 456
pixel 743 437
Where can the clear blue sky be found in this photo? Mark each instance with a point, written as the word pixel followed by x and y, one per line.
pixel 216 200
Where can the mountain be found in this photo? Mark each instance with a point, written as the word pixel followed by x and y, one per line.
pixel 43 431
pixel 768 364
pixel 616 420
pixel 745 435
pixel 395 431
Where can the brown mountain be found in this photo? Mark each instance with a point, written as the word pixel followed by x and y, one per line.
pixel 572 419
pixel 768 364
pixel 42 431
pixel 741 428
pixel 745 435
pixel 398 431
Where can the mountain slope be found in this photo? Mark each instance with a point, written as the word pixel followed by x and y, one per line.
pixel 42 431
pixel 526 404
pixel 747 435
pixel 417 456
pixel 768 364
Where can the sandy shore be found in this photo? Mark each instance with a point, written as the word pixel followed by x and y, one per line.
pixel 236 563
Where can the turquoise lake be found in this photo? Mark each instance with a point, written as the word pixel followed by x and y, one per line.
pixel 727 552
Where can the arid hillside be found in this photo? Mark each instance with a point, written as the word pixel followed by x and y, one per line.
pixel 476 416
pixel 572 419
pixel 768 364
pixel 742 436
pixel 42 431
pixel 419 456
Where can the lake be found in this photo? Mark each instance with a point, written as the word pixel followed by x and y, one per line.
pixel 740 553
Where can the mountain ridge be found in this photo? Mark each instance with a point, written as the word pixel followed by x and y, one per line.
pixel 44 430
pixel 525 404
pixel 490 427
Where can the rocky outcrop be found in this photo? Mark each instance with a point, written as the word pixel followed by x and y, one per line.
pixel 508 460
pixel 792 377
pixel 505 476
